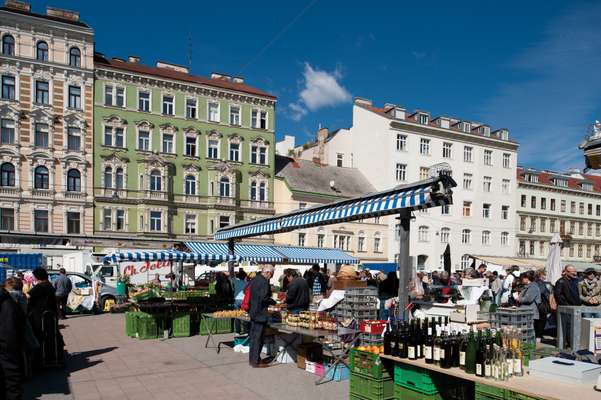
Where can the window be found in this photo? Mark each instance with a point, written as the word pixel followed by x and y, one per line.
pixel 144 101
pixel 466 236
pixel 552 204
pixel 213 149
pixel 141 223
pixel 168 143
pixel 466 261
pixel 531 178
pixel 144 140
pixel 8 87
pixel 190 146
pixel 445 209
pixel 561 182
pixel 589 251
pixel 446 150
pixel 214 112
pixel 543 203
pixel 191 108
pixel 120 220
pixel 258 154
pixel 424 173
pixel 573 207
pixel 598 210
pixel 108 95
pixel 552 225
pixel 262 191
pixel 42 92
pixel 467 181
pixel 108 177
pixel 168 108
pixel 401 142
pixel 401 172
pixel 361 243
pixel 504 212
pixel 190 224
pixel 487 157
pixel 571 251
pixel 40 221
pixel 224 187
pixel 301 239
pixel 581 208
pixel 235 115
pixel 7 219
pixel 114 137
pixel 423 234
pixel 445 233
pixel 581 228
pixel 253 190
pixel 598 230
pixel 224 220
pixel 73 139
pixel 467 154
pixel 424 147
pixel 580 251
pixel 7 131
pixel 506 160
pixel 485 238
pixel 41 52
pixel 485 210
pixel 75 97
pixel 533 202
pixel 522 223
pixel 120 97
pixel 467 208
pixel 504 239
pixel 107 219
pixel 73 181
pixel 590 209
pixel 41 179
pixel 156 181
pixel 234 151
pixel 587 186
pixel 155 221
pixel 8 45
pixel 523 200
pixel 505 186
pixel 563 206
pixel 119 179
pixel 190 185
pixel 487 184
pixel 73 222
pixel 263 119
pixel 589 229
pixel 572 227
pixel 339 159
pixel 377 241
pixel 532 224
pixel 74 57
pixel 7 175
pixel 543 225
pixel 423 119
pixel 320 239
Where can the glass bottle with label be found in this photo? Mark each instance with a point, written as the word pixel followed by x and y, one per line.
pixel 436 347
pixel 428 346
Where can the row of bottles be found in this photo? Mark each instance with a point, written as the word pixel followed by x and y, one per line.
pixel 485 353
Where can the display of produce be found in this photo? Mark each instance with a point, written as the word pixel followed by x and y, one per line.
pixel 494 354
pixel 229 314
pixel 312 320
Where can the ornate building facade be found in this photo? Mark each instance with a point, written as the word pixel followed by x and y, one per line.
pixel 46 71
pixel 178 156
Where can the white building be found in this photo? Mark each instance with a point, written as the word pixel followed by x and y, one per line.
pixel 284 146
pixel 567 203
pixel 391 147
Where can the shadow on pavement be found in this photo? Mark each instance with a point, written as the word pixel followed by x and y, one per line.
pixel 55 381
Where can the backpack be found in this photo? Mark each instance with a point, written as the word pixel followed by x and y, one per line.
pixel 245 306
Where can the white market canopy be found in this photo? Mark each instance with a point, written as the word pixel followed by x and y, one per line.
pixel 423 194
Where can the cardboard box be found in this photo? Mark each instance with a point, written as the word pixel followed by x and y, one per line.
pixel 308 351
pixel 348 283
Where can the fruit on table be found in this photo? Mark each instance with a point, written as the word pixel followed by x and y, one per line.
pixel 229 314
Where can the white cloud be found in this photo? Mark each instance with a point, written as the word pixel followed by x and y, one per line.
pixel 321 89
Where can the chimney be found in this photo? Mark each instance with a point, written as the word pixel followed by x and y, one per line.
pixel 173 67
pixel 133 59
pixel 62 14
pixel 18 5
pixel 362 101
pixel 319 151
pixel 238 79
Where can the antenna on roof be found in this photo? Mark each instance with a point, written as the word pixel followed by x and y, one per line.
pixel 189 51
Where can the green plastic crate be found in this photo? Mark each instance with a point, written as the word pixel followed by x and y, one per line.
pixel 131 323
pixel 146 326
pixel 181 325
pixel 486 392
pixel 370 365
pixel 465 392
pixel 217 325
pixel 519 396
pixel 425 381
pixel 371 389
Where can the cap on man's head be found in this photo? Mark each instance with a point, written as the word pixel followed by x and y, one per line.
pixel 589 271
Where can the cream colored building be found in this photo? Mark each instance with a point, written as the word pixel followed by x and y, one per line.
pixel 303 184
pixel 46 69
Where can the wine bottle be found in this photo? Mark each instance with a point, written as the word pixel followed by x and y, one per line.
pixel 487 362
pixel 518 369
pixel 429 346
pixel 412 342
pixel 480 360
pixel 437 346
pixel 495 362
pixel 455 345
pixel 446 356
pixel 418 339
pixel 470 354
pixel 463 349
pixel 403 343
pixel 387 339
pixel 395 340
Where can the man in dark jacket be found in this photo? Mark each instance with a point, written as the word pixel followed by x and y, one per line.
pixel 566 288
pixel 317 282
pixel 298 294
pixel 260 299
pixel 12 332
pixel 63 287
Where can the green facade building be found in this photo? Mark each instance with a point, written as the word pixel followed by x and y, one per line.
pixel 178 156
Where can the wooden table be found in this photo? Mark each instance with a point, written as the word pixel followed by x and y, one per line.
pixel 528 385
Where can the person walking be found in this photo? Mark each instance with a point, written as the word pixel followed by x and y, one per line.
pixel 12 346
pixel 298 295
pixel 589 291
pixel 529 297
pixel 62 286
pixel 260 299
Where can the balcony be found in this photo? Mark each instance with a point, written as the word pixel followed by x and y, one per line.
pixel 256 204
pixel 110 192
pixel 225 201
pixel 42 193
pixel 12 191
pixel 155 194
pixel 75 195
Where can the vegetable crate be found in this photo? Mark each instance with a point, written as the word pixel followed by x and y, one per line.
pixel 181 325
pixel 404 393
pixel 216 325
pixel 146 325
pixel 425 381
pixel 131 323
pixel 371 389
pixel 369 365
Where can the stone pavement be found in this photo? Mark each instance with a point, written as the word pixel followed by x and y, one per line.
pixel 103 363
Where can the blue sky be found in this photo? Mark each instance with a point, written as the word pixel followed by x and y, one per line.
pixel 532 67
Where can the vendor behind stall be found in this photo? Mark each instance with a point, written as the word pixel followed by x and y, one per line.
pixel 298 295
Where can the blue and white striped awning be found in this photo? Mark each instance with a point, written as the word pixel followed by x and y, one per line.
pixel 424 194
pixel 246 252
pixel 313 255
pixel 169 255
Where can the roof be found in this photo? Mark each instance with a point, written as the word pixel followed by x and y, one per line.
pixel 546 178
pixel 167 73
pixel 307 176
pixel 49 17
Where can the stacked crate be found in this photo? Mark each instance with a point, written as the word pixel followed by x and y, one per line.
pixel 486 392
pixel 416 383
pixel 358 303
pixel 371 377
pixel 520 318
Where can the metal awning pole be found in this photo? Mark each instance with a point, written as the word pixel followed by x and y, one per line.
pixel 230 264
pixel 404 267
